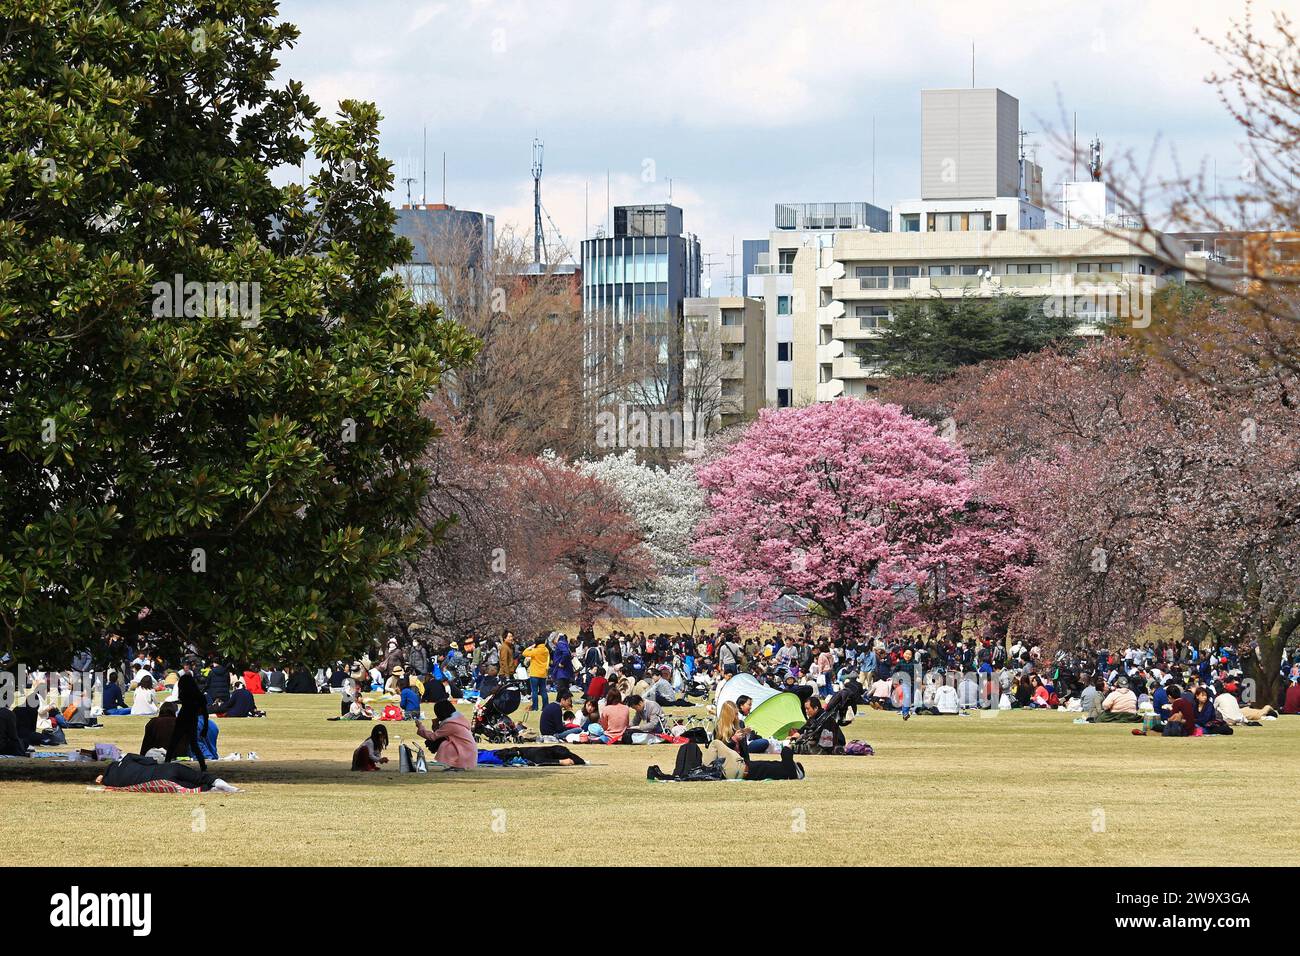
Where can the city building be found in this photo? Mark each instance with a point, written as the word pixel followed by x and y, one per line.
pixel 634 284
pixel 797 225
pixel 725 368
pixel 979 229
pixel 441 235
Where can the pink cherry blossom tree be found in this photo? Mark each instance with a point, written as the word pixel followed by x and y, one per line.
pixel 859 509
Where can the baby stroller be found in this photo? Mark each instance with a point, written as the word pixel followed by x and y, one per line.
pixel 822 734
pixel 492 721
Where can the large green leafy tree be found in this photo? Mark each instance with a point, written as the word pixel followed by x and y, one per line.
pixel 932 338
pixel 233 478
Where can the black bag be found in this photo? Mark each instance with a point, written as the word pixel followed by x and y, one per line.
pixel 697 735
pixel 1175 728
pixel 688 758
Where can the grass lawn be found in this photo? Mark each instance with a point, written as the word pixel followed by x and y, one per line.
pixel 1019 788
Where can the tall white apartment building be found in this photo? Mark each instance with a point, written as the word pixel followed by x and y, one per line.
pixel 979 229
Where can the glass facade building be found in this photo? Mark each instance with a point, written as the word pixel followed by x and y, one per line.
pixel 633 286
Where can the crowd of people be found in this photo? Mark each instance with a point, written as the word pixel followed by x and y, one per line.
pixel 616 690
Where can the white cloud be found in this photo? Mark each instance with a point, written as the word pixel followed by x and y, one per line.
pixel 746 104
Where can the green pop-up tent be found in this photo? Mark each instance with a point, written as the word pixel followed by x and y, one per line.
pixel 774 714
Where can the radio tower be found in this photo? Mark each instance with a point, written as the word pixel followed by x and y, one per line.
pixel 539 239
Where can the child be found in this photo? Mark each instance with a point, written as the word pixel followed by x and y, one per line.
pixel 370 754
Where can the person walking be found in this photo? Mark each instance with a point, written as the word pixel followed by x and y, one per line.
pixel 186 732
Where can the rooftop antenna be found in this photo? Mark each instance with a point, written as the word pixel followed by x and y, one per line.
pixel 444 177
pixel 670 189
pixel 972 65
pixel 1094 159
pixel 538 239
pixel 731 277
pixel 424 168
pixel 873 159
pixel 408 180
pixel 1074 169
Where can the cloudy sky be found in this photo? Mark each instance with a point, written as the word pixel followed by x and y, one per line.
pixel 742 105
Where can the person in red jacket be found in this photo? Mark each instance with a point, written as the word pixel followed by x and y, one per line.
pixel 598 686
pixel 253 682
pixel 1292 703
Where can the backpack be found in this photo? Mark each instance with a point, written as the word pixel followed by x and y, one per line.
pixel 688 758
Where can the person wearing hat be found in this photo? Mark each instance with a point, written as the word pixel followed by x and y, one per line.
pixel 1120 703
pixel 394 683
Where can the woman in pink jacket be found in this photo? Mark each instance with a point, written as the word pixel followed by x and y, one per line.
pixel 451 736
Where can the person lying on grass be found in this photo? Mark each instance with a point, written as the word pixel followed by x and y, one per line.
pixel 370 754
pixel 452 736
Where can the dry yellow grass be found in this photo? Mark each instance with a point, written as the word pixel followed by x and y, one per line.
pixel 1018 788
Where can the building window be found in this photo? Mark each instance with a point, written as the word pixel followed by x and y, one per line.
pixel 1002 223
pixel 783 398
pixel 785 261
pixel 940 270
pixel 824 374
pixel 973 270
pixel 958 221
pixel 872 277
pixel 1028 268
pixel 825 335
pixel 783 305
pixel 871 316
pixel 732 317
pixel 903 276
pixel 910 222
pixel 784 351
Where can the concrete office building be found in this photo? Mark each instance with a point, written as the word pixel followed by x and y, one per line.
pixel 725 360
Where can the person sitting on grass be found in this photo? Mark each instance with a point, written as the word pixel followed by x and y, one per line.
pixel 370 754
pixel 158 730
pixel 410 701
pixel 598 686
pixel 240 704
pixel 754 744
pixel 114 702
pixel 614 718
pixel 1120 704
pixel 663 693
pixel 488 682
pixel 552 719
pixel 452 736
pixel 143 703
pixel 1291 705
pixel 649 721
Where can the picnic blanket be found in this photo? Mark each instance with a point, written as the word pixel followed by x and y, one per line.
pixel 155 786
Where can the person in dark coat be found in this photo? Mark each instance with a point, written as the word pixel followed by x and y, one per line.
pixel 185 735
pixel 218 686
pixel 158 730
pixel 241 704
pixel 10 745
pixel 300 682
